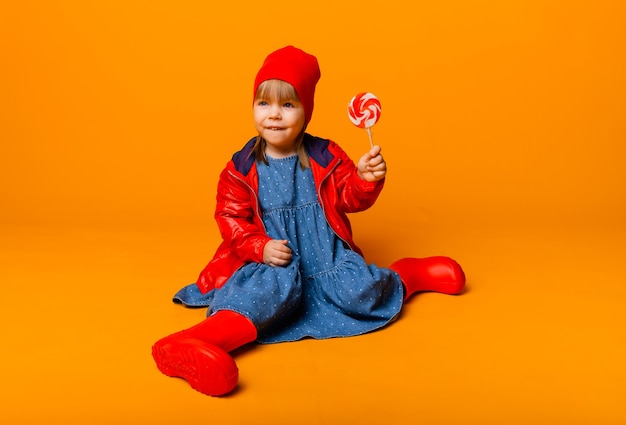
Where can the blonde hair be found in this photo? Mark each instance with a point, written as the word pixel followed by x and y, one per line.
pixel 282 92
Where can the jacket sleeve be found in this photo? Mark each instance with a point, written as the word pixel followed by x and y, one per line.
pixel 237 218
pixel 354 193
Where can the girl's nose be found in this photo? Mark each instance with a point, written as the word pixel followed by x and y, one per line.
pixel 274 112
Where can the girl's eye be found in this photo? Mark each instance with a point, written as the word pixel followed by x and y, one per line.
pixel 262 103
pixel 288 105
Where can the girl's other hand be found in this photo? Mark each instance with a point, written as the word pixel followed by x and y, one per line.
pixel 277 253
pixel 372 166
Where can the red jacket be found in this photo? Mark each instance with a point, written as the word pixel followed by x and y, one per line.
pixel 339 189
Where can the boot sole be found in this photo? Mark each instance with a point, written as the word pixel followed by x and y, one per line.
pixel 207 368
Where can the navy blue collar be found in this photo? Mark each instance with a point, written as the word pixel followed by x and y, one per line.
pixel 316 147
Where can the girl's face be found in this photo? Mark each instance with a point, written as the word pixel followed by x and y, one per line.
pixel 279 119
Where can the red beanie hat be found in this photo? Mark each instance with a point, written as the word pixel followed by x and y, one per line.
pixel 295 67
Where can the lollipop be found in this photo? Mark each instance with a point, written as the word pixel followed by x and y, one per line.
pixel 364 112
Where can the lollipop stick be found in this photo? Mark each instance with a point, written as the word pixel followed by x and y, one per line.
pixel 369 133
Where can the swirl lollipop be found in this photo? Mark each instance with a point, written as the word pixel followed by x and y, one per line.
pixel 364 111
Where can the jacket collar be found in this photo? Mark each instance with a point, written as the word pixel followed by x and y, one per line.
pixel 316 147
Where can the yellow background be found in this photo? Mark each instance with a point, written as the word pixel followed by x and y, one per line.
pixel 503 127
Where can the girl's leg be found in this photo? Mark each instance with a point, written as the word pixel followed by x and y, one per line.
pixel 200 354
pixel 226 329
pixel 435 274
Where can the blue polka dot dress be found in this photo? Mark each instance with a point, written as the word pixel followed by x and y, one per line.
pixel 326 291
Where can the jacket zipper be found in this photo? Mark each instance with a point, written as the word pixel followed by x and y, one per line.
pixel 256 199
pixel 319 191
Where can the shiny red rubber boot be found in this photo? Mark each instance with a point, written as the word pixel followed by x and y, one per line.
pixel 431 274
pixel 200 354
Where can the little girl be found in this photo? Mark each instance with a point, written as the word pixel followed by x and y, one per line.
pixel 288 267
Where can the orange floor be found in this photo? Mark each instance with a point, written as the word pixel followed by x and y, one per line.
pixel 538 338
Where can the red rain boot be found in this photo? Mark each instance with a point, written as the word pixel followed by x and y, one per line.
pixel 435 274
pixel 200 354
